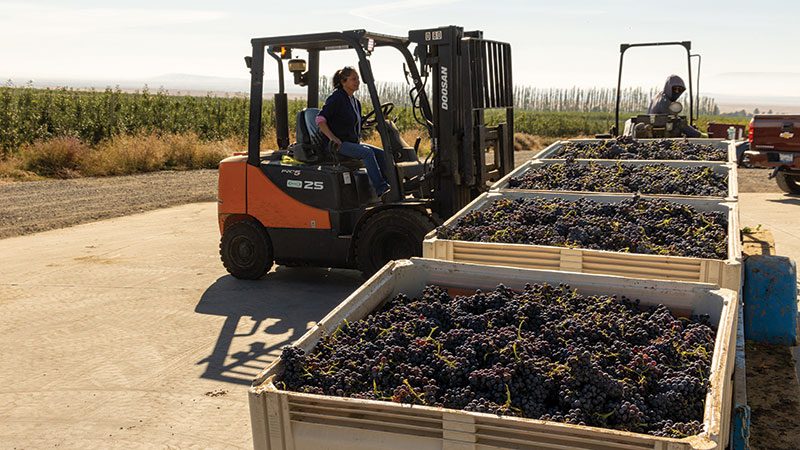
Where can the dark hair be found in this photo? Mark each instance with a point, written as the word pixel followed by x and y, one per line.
pixel 341 75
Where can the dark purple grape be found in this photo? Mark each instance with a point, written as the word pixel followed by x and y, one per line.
pixel 620 177
pixel 634 225
pixel 626 147
pixel 544 352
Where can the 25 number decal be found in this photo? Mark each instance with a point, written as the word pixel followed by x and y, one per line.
pixel 313 185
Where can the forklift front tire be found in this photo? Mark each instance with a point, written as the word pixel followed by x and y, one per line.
pixel 391 234
pixel 246 250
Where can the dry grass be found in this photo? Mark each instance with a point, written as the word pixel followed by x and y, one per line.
pixel 527 142
pixel 11 170
pixel 68 157
pixel 409 136
pixel 150 152
pixel 125 155
pixel 59 158
pixel 269 141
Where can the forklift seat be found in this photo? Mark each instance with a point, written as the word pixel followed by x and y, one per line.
pixel 307 130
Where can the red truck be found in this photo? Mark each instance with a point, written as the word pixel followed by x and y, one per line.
pixel 775 143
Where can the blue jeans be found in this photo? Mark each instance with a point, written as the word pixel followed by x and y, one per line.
pixel 373 160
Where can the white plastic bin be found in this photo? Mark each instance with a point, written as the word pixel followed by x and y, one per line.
pixel 550 151
pixel 726 169
pixel 725 273
pixel 284 420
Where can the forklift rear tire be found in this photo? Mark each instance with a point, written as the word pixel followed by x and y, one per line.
pixel 246 250
pixel 788 182
pixel 391 234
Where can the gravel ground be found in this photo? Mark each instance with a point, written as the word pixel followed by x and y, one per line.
pixel 30 207
pixel 756 180
pixel 772 394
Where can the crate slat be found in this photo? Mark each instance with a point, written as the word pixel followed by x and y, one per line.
pixel 299 408
pixel 366 421
pixel 519 434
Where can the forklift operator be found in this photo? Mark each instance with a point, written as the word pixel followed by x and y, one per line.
pixel 673 88
pixel 340 121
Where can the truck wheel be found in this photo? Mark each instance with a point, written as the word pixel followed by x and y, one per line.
pixel 391 234
pixel 246 250
pixel 788 182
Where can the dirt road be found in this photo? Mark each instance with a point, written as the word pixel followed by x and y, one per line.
pixel 36 206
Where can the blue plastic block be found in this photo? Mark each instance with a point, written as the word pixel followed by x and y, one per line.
pixel 770 299
pixel 740 429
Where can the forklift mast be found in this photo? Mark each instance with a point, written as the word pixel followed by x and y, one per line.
pixel 470 75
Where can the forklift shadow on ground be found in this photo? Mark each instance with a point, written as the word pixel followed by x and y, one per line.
pixel 260 318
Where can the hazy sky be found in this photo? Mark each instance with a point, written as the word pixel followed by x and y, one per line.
pixel 748 48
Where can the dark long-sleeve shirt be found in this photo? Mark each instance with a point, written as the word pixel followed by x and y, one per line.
pixel 342 113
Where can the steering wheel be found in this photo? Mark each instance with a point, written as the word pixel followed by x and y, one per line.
pixel 369 120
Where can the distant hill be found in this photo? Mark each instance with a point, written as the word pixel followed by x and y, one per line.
pixel 179 81
pixel 174 83
pixel 759 84
pixel 755 90
pixel 778 105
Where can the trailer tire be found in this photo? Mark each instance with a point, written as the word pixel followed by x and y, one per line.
pixel 246 250
pixel 788 182
pixel 391 234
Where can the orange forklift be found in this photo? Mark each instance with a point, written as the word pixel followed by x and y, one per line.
pixel 324 212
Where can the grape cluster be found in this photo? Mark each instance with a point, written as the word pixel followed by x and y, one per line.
pixel 635 225
pixel 620 177
pixel 626 147
pixel 544 352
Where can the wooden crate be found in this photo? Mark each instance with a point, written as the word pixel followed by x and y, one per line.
pixel 550 151
pixel 727 169
pixel 725 273
pixel 283 420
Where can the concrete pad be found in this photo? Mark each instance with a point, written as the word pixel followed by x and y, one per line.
pixel 778 213
pixel 128 333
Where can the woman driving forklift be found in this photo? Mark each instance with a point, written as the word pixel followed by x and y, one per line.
pixel 340 122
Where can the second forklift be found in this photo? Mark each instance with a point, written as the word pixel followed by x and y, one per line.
pixel 668 125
